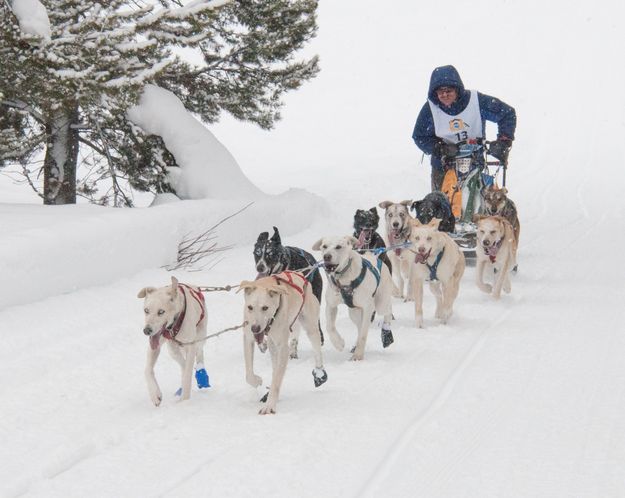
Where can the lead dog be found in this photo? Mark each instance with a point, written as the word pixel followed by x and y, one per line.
pixel 359 282
pixel 272 305
pixel 439 261
pixel 175 314
pixel 398 219
pixel 496 249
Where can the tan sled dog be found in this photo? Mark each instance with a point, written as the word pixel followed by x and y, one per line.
pixel 397 217
pixel 175 314
pixel 272 305
pixel 496 249
pixel 438 260
pixel 361 284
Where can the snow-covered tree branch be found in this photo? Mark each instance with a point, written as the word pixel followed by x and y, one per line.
pixel 70 87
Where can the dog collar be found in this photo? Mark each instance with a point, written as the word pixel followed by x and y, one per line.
pixel 349 263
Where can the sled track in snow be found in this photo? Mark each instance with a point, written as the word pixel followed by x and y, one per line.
pixel 372 485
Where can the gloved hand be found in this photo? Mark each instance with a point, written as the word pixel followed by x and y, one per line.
pixel 500 149
pixel 444 149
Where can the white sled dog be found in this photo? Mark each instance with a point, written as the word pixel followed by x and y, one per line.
pixel 397 217
pixel 272 305
pixel 496 250
pixel 175 314
pixel 361 283
pixel 438 260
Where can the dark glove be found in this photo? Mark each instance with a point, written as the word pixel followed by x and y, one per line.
pixel 500 148
pixel 443 149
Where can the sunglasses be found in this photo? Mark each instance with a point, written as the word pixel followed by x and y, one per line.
pixel 445 89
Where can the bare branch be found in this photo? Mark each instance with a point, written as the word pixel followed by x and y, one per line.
pixel 193 249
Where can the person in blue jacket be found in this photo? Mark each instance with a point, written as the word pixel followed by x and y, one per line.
pixel 453 114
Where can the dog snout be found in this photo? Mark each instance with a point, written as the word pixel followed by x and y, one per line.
pixel 327 258
pixel 421 249
pixel 261 268
pixel 255 329
pixel 147 330
pixel 486 242
pixel 396 224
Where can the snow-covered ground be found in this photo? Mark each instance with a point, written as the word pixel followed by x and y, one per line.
pixel 518 398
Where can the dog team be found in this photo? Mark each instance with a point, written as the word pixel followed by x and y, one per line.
pixel 364 272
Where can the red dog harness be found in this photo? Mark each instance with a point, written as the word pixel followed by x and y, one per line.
pixel 171 333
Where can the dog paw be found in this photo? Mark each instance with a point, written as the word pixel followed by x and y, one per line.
pixel 337 341
pixel 268 409
pixel 157 399
pixel 387 338
pixel 419 321
pixel 254 380
pixel 357 356
pixel 320 376
pixel 445 316
pixel 486 288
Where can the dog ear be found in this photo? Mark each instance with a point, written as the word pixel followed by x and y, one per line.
pixel 385 204
pixel 174 286
pixel 276 236
pixel 317 245
pixel 246 285
pixel 277 290
pixel 504 190
pixel 263 236
pixel 352 240
pixel 145 291
pixel 415 222
pixel 406 203
pixel 435 222
pixel 373 210
pixel 477 217
pixel 415 205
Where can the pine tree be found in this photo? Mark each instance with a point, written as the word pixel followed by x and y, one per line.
pixel 69 96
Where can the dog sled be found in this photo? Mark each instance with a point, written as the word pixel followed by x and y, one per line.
pixel 467 173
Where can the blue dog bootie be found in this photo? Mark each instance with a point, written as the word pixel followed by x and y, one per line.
pixel 201 376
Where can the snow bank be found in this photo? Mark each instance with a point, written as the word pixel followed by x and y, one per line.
pixel 58 249
pixel 207 169
pixel 33 18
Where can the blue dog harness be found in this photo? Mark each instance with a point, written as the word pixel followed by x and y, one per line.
pixel 434 266
pixel 347 291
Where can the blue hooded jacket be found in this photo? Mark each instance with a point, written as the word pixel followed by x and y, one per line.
pixel 491 109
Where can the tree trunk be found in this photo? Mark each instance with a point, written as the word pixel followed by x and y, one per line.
pixel 59 180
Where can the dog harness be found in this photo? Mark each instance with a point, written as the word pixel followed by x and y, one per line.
pixel 289 278
pixel 170 333
pixel 347 291
pixel 434 266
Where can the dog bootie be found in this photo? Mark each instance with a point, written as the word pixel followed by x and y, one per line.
pixel 201 377
pixel 387 337
pixel 320 376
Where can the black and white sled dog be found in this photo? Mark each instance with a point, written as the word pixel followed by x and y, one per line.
pixel 365 232
pixel 435 205
pixel 271 257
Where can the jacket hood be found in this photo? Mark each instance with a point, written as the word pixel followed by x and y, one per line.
pixel 445 76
